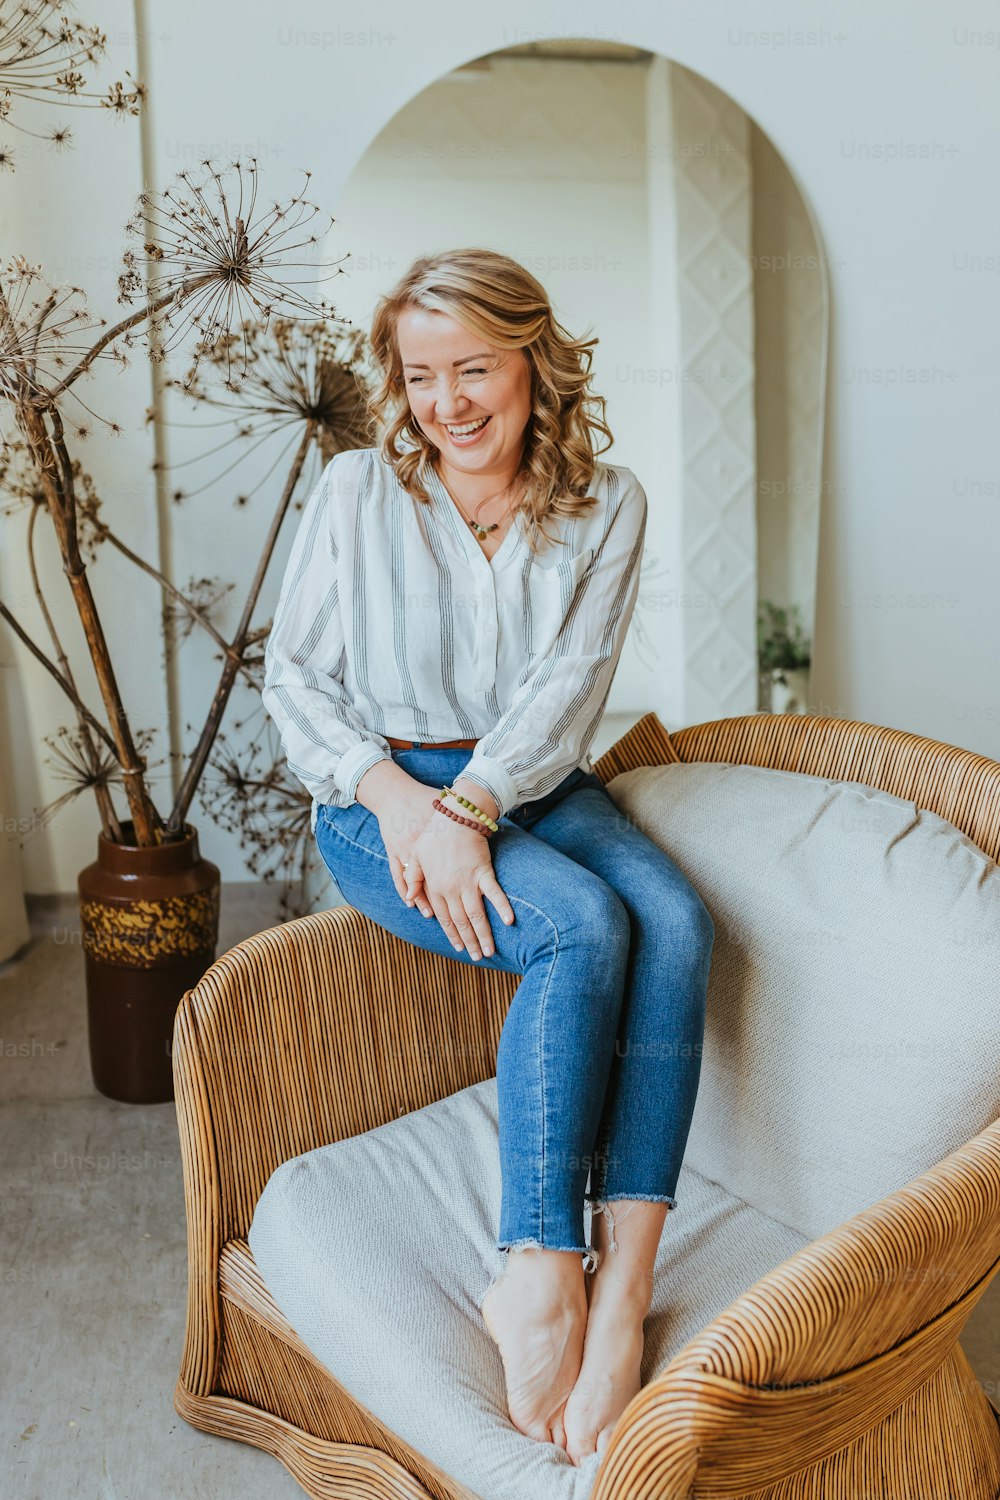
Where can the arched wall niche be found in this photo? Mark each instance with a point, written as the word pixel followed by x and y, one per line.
pixel 661 218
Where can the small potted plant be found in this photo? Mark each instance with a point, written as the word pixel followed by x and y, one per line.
pixel 783 659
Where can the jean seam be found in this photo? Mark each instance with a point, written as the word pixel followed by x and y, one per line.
pixel 354 843
pixel 541 1069
pixel 541 1066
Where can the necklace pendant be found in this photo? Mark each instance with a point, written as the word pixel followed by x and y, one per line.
pixel 483 531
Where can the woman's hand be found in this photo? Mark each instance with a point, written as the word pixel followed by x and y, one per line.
pixel 450 869
pixel 401 820
pixel 456 867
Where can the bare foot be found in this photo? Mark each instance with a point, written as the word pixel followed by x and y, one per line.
pixel 536 1315
pixel 612 1359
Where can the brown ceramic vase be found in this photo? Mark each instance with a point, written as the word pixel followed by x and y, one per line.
pixel 150 926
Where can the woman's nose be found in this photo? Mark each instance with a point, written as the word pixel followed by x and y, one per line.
pixel 450 404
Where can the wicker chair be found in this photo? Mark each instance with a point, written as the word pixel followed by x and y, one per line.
pixel 837 1374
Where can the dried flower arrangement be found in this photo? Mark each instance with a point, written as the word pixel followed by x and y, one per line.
pixel 42 52
pixel 214 266
pixel 308 380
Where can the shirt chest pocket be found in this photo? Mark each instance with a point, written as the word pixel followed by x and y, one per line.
pixel 551 589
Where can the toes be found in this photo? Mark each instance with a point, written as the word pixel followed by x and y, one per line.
pixel 559 1433
pixel 537 1430
pixel 603 1439
pixel 579 1441
pixel 579 1451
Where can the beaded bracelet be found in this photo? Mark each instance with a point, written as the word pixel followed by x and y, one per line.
pixel 457 817
pixel 448 791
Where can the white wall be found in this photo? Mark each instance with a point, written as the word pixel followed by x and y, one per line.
pixel 888 124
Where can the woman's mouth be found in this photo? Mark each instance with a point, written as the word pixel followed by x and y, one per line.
pixel 464 434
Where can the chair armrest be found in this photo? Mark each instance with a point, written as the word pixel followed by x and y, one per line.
pixel 824 1346
pixel 320 1029
pixel 647 743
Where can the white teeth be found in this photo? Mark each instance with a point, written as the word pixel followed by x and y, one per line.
pixel 469 427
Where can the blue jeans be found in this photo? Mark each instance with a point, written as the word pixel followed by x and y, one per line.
pixel 600 1053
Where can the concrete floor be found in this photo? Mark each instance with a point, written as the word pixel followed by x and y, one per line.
pixel 93 1261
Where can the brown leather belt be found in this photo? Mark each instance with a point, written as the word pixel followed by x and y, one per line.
pixel 438 744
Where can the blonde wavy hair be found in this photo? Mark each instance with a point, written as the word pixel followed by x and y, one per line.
pixel 498 300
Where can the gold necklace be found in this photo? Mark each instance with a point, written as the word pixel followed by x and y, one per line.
pixel 481 531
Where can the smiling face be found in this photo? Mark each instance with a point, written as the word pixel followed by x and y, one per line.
pixel 455 379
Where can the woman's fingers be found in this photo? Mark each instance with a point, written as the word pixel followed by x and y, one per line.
pixel 399 880
pixel 459 906
pixel 471 923
pixel 410 884
pixel 413 879
pixel 443 914
pixel 476 912
pixel 457 925
pixel 497 897
pixel 463 926
pixel 417 895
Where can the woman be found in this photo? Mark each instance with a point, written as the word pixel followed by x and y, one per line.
pixel 425 596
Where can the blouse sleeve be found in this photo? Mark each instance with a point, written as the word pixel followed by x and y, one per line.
pixel 555 711
pixel 327 745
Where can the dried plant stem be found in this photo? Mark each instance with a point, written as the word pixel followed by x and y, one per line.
pixel 148 310
pixel 145 819
pixel 54 671
pixel 234 655
pixel 107 535
pixel 56 476
pixel 109 822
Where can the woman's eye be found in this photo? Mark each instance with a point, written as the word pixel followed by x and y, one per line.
pixel 476 370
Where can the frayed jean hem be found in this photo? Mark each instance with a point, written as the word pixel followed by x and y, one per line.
pixel 590 1257
pixel 601 1204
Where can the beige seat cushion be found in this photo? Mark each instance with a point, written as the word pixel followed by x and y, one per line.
pixel 378 1250
pixel 853 1029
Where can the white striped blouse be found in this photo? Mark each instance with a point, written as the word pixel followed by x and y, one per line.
pixel 391 620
